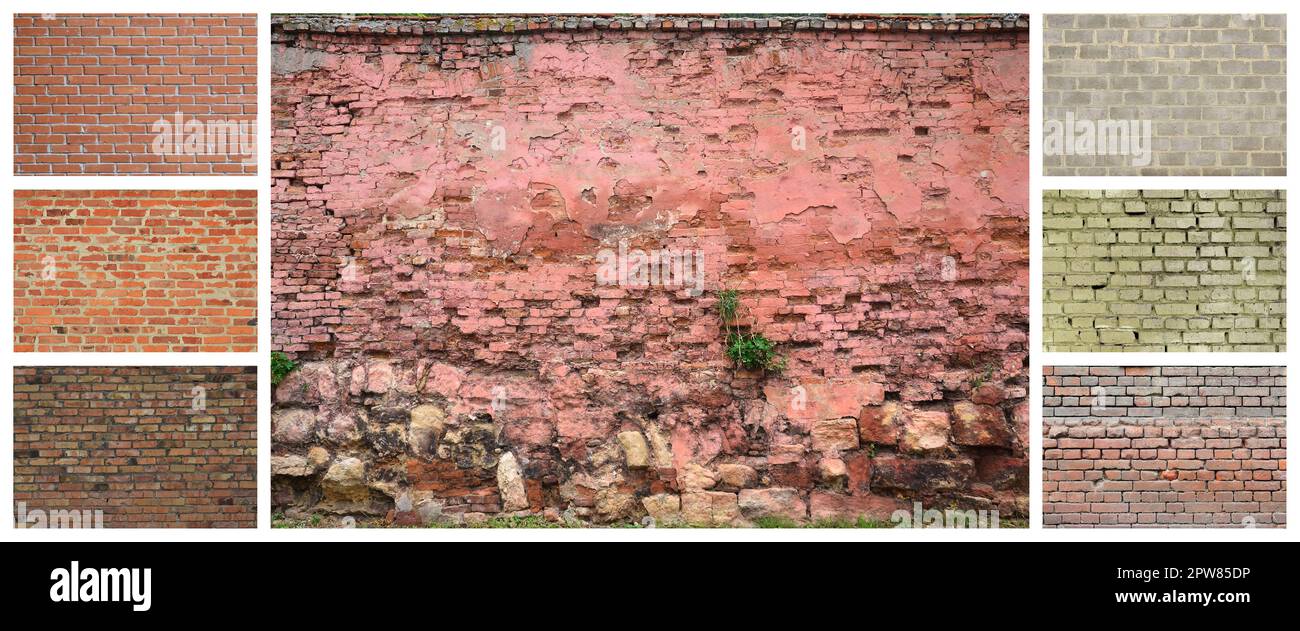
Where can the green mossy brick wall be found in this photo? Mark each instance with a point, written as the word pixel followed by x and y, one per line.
pixel 1167 270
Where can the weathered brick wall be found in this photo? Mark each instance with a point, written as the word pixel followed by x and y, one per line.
pixel 150 447
pixel 88 90
pixel 120 271
pixel 1164 446
pixel 1164 270
pixel 442 199
pixel 1212 86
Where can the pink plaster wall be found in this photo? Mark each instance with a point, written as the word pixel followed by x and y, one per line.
pixel 441 203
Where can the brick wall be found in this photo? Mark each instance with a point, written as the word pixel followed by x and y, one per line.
pixel 155 447
pixel 443 199
pixel 1130 393
pixel 1164 446
pixel 1212 86
pixel 1164 270
pixel 89 91
pixel 118 271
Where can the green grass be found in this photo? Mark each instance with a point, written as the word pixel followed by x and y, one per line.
pixel 860 522
pixel 278 520
pixel 531 521
pixel 754 351
pixel 281 366
pixel 728 304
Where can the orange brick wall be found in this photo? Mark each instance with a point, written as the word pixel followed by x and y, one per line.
pixel 151 271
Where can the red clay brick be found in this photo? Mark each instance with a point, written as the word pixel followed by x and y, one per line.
pixel 90 90
pixel 119 271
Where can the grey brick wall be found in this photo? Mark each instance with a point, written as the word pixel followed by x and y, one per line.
pixel 1212 86
pixel 1145 394
pixel 1164 270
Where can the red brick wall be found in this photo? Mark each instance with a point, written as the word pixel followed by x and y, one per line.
pixel 441 202
pixel 1164 446
pixel 88 90
pixel 137 444
pixel 153 271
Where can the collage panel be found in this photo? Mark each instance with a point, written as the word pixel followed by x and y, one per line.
pixel 135 94
pixel 135 271
pixel 669 271
pixel 1164 446
pixel 1164 95
pixel 1164 271
pixel 135 447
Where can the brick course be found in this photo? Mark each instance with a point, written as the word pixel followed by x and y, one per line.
pixel 1164 446
pixel 150 271
pixel 140 444
pixel 89 89
pixel 1164 270
pixel 1212 86
pixel 420 267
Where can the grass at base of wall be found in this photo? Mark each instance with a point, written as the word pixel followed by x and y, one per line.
pixel 785 522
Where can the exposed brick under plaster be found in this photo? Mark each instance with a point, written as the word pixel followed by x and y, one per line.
pixel 441 281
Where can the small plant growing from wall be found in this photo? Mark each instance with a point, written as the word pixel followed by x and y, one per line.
pixel 281 366
pixel 752 351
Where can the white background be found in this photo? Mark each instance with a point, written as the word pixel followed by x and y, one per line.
pixel 261 183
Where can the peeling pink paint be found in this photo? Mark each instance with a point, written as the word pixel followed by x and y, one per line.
pixel 444 199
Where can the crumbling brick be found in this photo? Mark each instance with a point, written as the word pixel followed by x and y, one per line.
pixel 445 191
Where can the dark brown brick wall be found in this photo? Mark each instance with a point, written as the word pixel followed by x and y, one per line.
pixel 132 442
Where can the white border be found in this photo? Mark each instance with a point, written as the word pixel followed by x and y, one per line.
pixel 663 7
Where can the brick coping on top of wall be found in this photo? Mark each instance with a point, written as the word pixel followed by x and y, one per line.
pixel 468 23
